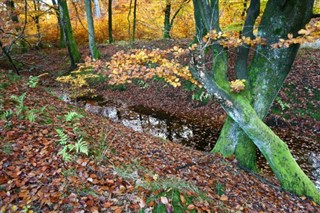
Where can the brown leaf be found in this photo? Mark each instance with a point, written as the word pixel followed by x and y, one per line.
pixel 191 207
pixel 224 198
pixel 94 209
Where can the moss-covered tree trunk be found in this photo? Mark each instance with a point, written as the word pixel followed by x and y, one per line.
pixel 92 43
pixel 265 78
pixel 277 153
pixel 69 39
pixel 65 24
pixel 266 73
pixel 167 25
pixel 62 43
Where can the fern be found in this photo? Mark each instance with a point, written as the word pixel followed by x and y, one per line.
pixel 66 152
pixel 31 115
pixel 33 81
pixel 63 137
pixel 81 146
pixel 66 156
pixel 73 116
pixel 7 114
pixel 19 100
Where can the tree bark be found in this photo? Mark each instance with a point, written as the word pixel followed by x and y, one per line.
pixel 134 26
pixel 167 25
pixel 62 43
pixel 36 18
pixel 97 11
pixel 92 43
pixel 201 30
pixel 110 21
pixel 68 34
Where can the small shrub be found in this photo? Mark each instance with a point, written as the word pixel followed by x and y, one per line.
pixel 78 82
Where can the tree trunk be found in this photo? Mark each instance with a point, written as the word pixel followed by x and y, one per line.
pixel 267 73
pixel 277 153
pixel 36 18
pixel 167 25
pixel 92 44
pixel 62 43
pixel 68 35
pixel 97 11
pixel 110 21
pixel 134 26
pixel 201 30
pixel 265 78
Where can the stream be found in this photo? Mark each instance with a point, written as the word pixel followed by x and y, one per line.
pixel 193 134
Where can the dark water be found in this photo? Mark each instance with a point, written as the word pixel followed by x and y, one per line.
pixel 160 124
pixel 197 135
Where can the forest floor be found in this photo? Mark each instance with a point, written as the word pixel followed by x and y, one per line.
pixel 128 171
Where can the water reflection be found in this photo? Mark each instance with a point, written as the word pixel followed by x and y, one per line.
pixel 159 124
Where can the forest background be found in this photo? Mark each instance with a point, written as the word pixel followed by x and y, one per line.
pixel 42 25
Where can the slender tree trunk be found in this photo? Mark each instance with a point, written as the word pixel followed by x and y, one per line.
pixel 36 18
pixel 110 21
pixel 97 11
pixel 167 25
pixel 65 24
pixel 62 43
pixel 92 44
pixel 134 26
pixel 129 21
pixel 5 52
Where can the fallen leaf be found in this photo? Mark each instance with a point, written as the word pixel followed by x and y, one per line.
pixel 224 198
pixel 191 207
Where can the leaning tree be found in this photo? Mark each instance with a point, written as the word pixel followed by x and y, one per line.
pixel 262 78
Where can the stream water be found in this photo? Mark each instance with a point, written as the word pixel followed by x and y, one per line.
pixel 197 135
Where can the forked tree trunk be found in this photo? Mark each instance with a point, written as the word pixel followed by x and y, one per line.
pixel 92 43
pixel 265 78
pixel 266 74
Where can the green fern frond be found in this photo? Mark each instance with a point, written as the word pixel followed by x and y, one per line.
pixel 31 116
pixel 63 137
pixel 18 99
pixel 66 156
pixel 81 146
pixel 73 116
